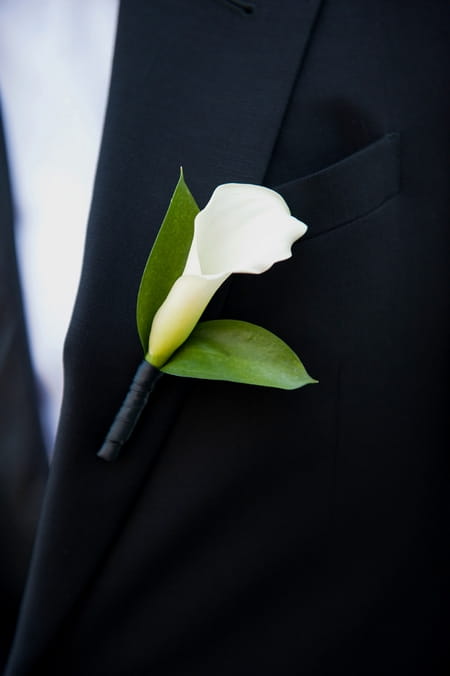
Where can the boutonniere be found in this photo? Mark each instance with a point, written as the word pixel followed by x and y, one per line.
pixel 243 229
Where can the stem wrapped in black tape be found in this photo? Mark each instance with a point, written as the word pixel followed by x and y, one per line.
pixel 134 403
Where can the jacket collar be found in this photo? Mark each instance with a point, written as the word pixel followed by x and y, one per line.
pixel 179 95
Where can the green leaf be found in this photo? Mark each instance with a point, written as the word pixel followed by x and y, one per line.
pixel 167 258
pixel 233 350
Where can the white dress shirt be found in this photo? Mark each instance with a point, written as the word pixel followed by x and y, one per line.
pixel 55 64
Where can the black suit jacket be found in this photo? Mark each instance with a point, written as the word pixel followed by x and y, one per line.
pixel 247 530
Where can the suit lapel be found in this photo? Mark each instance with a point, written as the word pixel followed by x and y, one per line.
pixel 21 435
pixel 178 96
pixel 23 465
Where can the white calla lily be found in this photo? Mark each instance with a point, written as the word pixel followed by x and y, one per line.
pixel 243 229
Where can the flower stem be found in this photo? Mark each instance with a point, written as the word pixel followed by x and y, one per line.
pixel 134 403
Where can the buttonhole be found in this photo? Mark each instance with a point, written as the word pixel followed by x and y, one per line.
pixel 245 6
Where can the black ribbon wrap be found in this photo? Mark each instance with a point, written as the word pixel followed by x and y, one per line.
pixel 129 413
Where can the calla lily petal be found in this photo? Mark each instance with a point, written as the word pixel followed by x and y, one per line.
pixel 243 228
pixel 178 315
